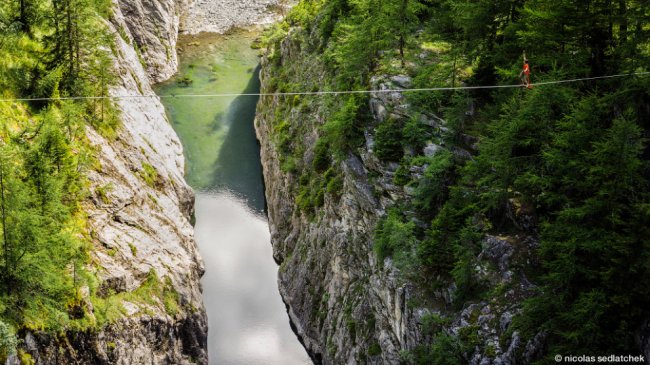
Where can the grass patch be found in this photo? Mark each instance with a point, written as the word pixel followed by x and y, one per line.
pixel 150 175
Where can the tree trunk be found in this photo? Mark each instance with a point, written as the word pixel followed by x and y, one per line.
pixel 622 28
pixel 403 19
pixel 70 43
pixel 23 17
pixel 4 228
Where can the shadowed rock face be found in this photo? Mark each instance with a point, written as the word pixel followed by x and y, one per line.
pixel 347 307
pixel 144 340
pixel 342 302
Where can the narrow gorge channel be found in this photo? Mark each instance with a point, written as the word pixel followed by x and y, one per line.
pixel 248 322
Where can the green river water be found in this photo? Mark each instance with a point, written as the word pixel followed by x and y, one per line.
pixel 248 323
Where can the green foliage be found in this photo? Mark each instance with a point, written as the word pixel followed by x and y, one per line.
pixel 311 193
pixel 388 140
pixel 433 323
pixel 102 192
pixel 374 349
pixel 134 249
pixel 171 298
pixel 42 252
pixel 432 190
pixel 415 135
pixel 342 131
pixel 445 350
pixel 8 341
pixel 575 154
pixel 335 185
pixel 394 237
pixel 25 358
pixel 402 174
pixel 49 49
pixel 153 291
pixel 272 37
pixel 321 156
pixel 75 38
pixel 150 175
pixel 107 310
pixel 594 247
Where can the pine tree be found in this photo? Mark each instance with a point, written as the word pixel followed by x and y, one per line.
pixel 71 20
pixel 401 18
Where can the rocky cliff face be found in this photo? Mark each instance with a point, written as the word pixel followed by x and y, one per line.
pixel 219 16
pixel 347 307
pixel 139 215
pixel 152 28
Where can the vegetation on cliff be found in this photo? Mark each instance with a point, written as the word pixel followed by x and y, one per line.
pixel 50 49
pixel 572 157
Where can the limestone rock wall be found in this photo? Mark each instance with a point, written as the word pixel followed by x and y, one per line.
pixel 151 27
pixel 139 213
pixel 219 16
pixel 347 307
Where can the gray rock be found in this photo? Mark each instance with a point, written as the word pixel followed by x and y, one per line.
pixel 534 347
pixel 13 360
pixel 504 322
pixel 331 279
pixel 402 81
pixel 153 27
pixel 378 109
pixel 431 149
pixel 219 16
pixel 155 220
pixel 497 250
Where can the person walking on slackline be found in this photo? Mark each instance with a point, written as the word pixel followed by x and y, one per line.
pixel 524 75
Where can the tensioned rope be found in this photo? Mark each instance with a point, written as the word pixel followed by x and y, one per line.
pixel 343 92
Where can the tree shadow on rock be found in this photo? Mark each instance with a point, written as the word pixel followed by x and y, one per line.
pixel 238 167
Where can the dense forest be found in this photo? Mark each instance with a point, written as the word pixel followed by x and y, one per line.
pixel 49 49
pixel 571 157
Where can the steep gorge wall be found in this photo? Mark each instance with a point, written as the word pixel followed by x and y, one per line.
pixel 139 214
pixel 348 307
pixel 152 28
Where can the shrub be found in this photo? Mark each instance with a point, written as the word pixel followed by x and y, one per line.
pixel 8 341
pixel 342 131
pixel 388 140
pixel 150 175
pixel 321 159
pixel 433 189
pixel 415 134
pixel 394 237
pixel 374 349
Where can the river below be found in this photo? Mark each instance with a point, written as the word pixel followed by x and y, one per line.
pixel 248 322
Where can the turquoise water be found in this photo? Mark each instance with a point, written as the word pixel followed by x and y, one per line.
pixel 248 323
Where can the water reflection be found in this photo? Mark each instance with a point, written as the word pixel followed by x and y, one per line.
pixel 248 323
pixel 247 319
